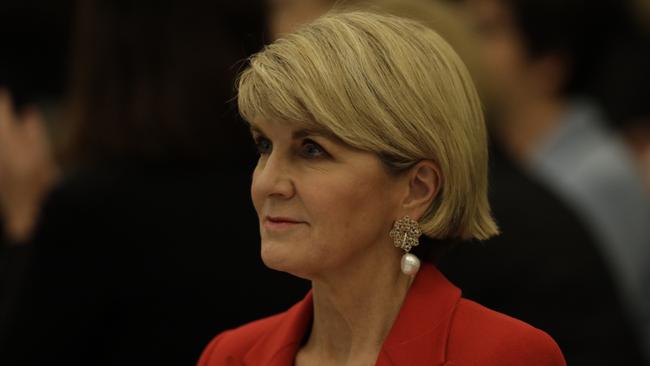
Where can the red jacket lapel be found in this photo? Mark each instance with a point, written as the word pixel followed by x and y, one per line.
pixel 279 346
pixel 418 337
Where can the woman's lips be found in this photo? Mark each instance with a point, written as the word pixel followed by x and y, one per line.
pixel 281 223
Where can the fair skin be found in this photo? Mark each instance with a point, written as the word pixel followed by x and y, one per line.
pixel 325 211
pixel 526 90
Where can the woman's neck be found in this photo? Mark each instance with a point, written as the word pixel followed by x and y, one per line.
pixel 354 310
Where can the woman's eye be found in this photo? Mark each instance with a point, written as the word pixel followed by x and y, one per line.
pixel 263 145
pixel 310 149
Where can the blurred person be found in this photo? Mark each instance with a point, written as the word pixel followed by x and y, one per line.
pixel 620 84
pixel 547 269
pixel 540 56
pixel 27 168
pixel 519 271
pixel 143 250
pixel 34 38
pixel 353 168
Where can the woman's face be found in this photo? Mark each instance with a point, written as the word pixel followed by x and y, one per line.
pixel 321 204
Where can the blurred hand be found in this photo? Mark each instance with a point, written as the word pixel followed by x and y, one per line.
pixel 27 168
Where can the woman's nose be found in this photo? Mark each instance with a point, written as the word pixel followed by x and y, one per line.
pixel 273 177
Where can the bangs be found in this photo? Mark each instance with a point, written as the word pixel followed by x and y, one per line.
pixel 270 95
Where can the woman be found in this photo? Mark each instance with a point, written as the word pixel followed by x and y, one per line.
pixel 370 133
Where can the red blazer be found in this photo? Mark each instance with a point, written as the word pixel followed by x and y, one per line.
pixel 435 326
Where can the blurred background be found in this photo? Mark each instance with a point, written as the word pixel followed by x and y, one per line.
pixel 128 236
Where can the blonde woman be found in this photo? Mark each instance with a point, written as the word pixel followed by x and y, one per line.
pixel 370 134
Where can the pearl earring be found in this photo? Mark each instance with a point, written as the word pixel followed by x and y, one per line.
pixel 405 234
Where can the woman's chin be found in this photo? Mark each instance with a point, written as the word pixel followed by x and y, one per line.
pixel 277 257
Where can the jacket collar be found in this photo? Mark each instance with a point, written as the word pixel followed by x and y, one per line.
pixel 418 336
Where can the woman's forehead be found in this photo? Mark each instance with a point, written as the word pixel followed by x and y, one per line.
pixel 297 129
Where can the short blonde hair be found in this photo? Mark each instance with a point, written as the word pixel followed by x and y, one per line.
pixel 386 85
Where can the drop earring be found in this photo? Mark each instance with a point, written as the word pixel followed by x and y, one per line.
pixel 405 234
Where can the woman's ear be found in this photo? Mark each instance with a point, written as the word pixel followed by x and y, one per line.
pixel 424 180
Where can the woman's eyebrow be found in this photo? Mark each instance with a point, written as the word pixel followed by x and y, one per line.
pixel 302 133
